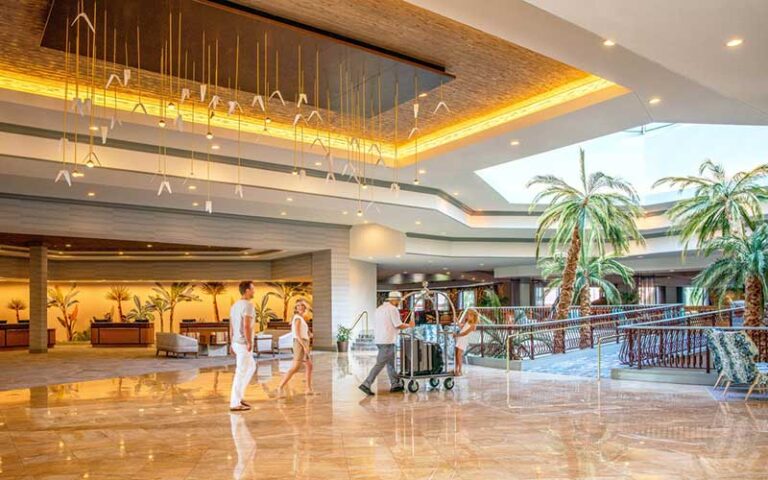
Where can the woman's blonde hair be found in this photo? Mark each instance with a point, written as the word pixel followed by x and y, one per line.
pixel 472 317
pixel 299 303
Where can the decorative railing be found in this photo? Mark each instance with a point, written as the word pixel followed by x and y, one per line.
pixel 681 342
pixel 531 314
pixel 536 338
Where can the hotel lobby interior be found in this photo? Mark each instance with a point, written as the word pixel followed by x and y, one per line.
pixel 567 198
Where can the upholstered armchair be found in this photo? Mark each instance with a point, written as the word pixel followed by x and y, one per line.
pixel 175 343
pixel 285 342
pixel 734 356
pixel 264 344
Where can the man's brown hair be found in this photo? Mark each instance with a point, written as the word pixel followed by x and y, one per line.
pixel 245 285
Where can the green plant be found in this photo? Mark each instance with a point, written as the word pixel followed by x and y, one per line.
pixel 489 298
pixel 264 313
pixel 744 262
pixel 214 289
pixel 590 272
pixel 602 209
pixel 57 298
pixel 342 334
pixel 17 305
pixel 287 291
pixel 141 311
pixel 83 336
pixel 720 205
pixel 178 292
pixel 160 304
pixel 629 298
pixel 119 294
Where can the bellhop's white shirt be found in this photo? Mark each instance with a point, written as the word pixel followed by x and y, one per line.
pixel 385 323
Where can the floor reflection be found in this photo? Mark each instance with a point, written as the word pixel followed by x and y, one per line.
pixel 492 425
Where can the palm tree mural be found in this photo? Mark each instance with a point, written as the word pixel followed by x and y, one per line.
pixel 214 289
pixel 141 311
pixel 720 205
pixel 287 291
pixel 601 209
pixel 119 294
pixel 17 305
pixel 744 262
pixel 160 305
pixel 264 312
pixel 57 298
pixel 590 272
pixel 178 292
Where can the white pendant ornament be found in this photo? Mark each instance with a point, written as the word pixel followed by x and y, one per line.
pixel 413 131
pixel 298 117
pixel 320 141
pixel 87 103
pixel 104 129
pixel 77 106
pixel 141 106
pixel 209 206
pixel 114 121
pixel 185 94
pixel 64 173
pixel 279 96
pixel 179 122
pixel 203 90
pixel 395 188
pixel 302 99
pixel 83 16
pixel 379 159
pixel 330 176
pixel 164 185
pixel 350 171
pixel 126 76
pixel 233 107
pixel 443 105
pixel 302 174
pixel 214 103
pixel 239 190
pixel 112 78
pixel 416 110
pixel 313 114
pixel 91 160
pixel 260 100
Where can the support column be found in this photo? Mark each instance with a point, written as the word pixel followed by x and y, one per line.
pixel 330 292
pixel 524 292
pixel 38 299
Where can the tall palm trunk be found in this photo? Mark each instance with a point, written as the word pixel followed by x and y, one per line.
pixel 566 289
pixel 17 316
pixel 162 320
pixel 216 308
pixel 753 311
pixel 170 319
pixel 120 311
pixel 585 309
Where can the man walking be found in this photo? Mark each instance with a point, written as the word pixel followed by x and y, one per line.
pixel 386 325
pixel 241 317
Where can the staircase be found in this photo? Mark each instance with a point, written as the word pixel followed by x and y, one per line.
pixel 364 342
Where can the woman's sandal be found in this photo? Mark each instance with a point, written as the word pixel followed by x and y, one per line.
pixel 239 408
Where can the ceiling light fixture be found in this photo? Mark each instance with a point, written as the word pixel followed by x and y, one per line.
pixel 415 181
pixel 215 146
pixel 514 143
pixel 318 164
pixel 68 245
pixel 120 252
pixel 283 213
pixel 192 187
pixel 359 213
pixel 289 199
pixel 161 123
pixel 209 135
pixel 608 42
pixel 149 245
pixel 91 194
pixel 195 204
pixel 455 194
pixel 734 42
pixel 418 222
pixel 422 171
pixel 654 101
pixel 344 212
pixel 93 128
pixel 77 174
pixel 422 94
pixel 90 163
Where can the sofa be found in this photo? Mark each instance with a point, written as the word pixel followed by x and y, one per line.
pixel 175 343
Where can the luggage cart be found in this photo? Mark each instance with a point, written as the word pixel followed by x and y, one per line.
pixel 424 360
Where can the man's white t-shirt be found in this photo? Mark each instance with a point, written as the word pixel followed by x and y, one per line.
pixel 240 309
pixel 385 323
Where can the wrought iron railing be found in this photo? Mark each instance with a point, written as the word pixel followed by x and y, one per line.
pixel 536 338
pixel 532 314
pixel 681 342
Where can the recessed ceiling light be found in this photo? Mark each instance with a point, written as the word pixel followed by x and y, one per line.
pixel 422 94
pixel 418 222
pixel 78 174
pixel 93 128
pixel 283 213
pixel 209 135
pixel 734 42
pixel 186 253
pixel 289 199
pixel 68 245
pixel 149 245
pixel 455 194
pixel 654 101
pixel 514 143
pixel 422 171
pixel 192 187
pixel 405 273
pixel 215 146
pixel 447 273
pixel 120 253
pixel 318 164
pixel 473 279
pixel 608 42
pixel 345 212
pixel 91 194
pixel 195 204
pixel 482 264
pixel 267 120
pixel 60 252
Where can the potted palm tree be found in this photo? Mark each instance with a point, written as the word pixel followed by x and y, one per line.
pixel 17 305
pixel 342 339
pixel 264 312
pixel 141 312
pixel 160 305
pixel 119 294
pixel 287 291
pixel 178 292
pixel 57 298
pixel 590 272
pixel 600 209
pixel 214 289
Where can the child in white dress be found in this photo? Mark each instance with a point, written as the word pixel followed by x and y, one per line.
pixel 462 338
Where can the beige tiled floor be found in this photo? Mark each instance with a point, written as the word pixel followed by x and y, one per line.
pixel 175 425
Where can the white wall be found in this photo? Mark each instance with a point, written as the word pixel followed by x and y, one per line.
pixel 362 292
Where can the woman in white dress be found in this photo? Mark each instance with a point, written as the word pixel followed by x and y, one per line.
pixel 301 352
pixel 462 338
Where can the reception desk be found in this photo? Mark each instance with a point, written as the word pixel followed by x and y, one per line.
pixel 122 334
pixel 16 335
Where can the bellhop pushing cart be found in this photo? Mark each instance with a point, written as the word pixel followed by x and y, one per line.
pixel 428 357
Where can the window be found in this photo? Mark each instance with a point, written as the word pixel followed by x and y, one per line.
pixel 468 298
pixel 695 296
pixel 442 303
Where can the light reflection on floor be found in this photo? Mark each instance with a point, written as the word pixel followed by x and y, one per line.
pixel 175 425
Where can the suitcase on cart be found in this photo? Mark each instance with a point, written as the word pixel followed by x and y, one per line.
pixel 428 357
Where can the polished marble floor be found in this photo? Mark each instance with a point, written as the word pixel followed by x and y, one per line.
pixel 493 425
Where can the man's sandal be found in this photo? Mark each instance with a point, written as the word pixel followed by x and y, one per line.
pixel 239 408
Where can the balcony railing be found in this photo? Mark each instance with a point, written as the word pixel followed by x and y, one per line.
pixel 681 342
pixel 530 339
pixel 532 314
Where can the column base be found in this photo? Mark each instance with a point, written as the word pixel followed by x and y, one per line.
pixel 38 350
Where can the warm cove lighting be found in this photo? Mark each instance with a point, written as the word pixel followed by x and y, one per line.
pixel 608 42
pixel 734 42
pixel 46 87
